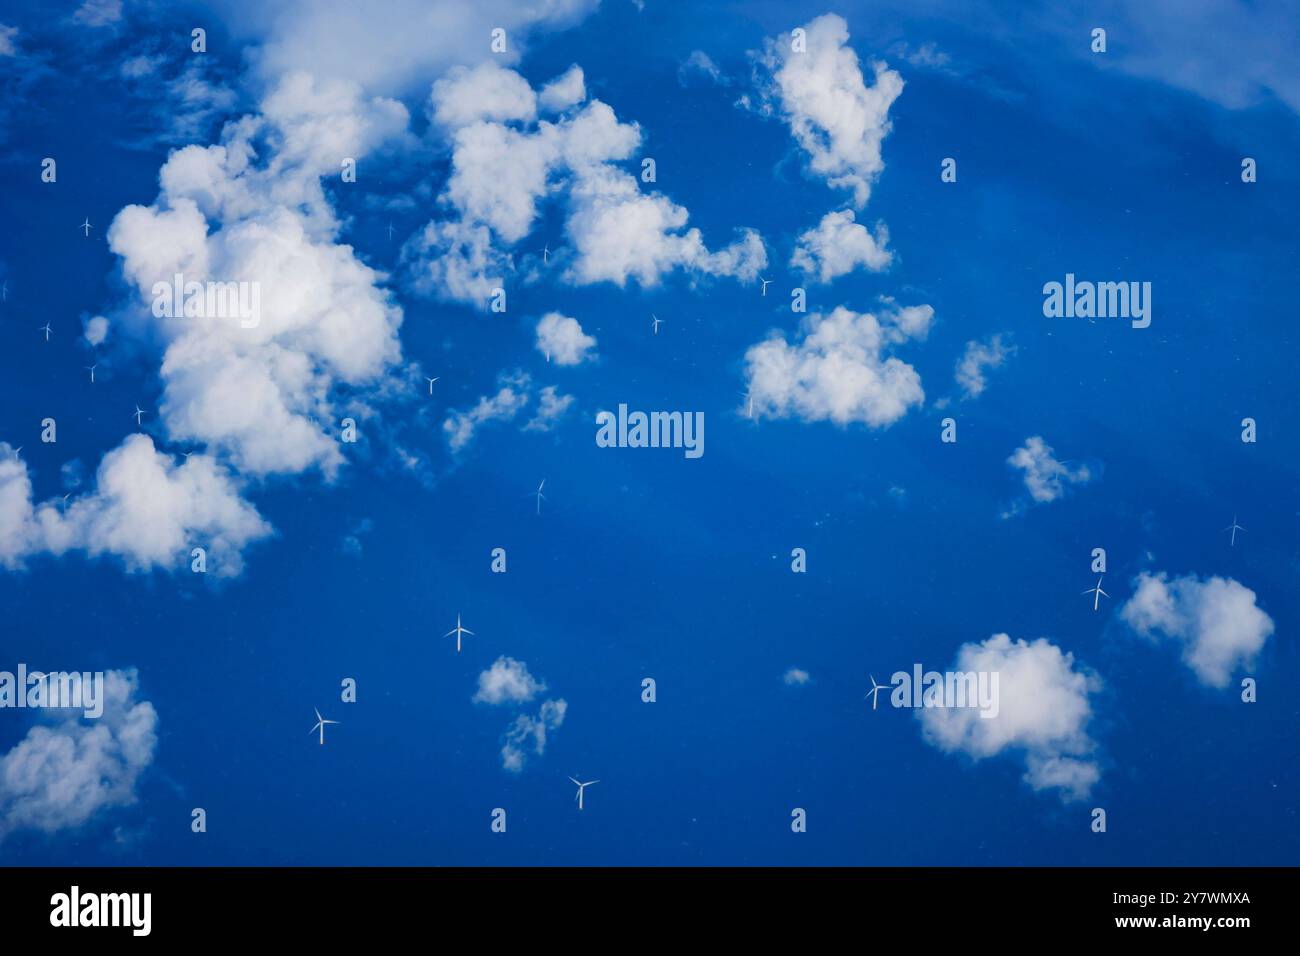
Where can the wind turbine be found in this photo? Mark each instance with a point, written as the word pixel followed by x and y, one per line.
pixel 390 232
pixel 458 631
pixel 765 282
pixel 1097 593
pixel 1234 528
pixel 581 788
pixel 539 496
pixel 86 226
pixel 657 322
pixel 47 330
pixel 875 691
pixel 320 725
pixel 91 370
pixel 139 414
pixel 431 381
pixel 546 253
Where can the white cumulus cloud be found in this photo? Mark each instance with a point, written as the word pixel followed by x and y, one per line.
pixel 257 391
pixel 1044 708
pixel 506 165
pixel 262 395
pixel 1217 621
pixel 96 330
pixel 144 508
pixel 838 245
pixel 833 115
pixel 68 769
pixel 507 680
pixel 839 369
pixel 561 339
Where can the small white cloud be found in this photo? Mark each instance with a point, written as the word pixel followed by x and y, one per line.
pixel 551 407
pixel 99 13
pixel 978 357
pixel 796 677
pixel 7 36
pixel 700 64
pixel 1045 477
pixel 927 56
pixel 562 340
pixel 510 398
pixel 136 67
pixel 527 735
pixel 834 116
pixel 352 545
pixel 515 391
pixel 840 370
pixel 96 330
pixel 838 245
pixel 69 768
pixel 567 89
pixel 1044 707
pixel 507 681
pixel 1217 620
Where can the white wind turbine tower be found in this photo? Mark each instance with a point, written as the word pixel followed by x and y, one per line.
pixel 875 690
pixel 320 725
pixel 581 787
pixel 458 631
pixel 1097 593
pixel 1234 528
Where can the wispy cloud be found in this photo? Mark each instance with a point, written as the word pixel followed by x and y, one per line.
pixel 1045 478
pixel 978 358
